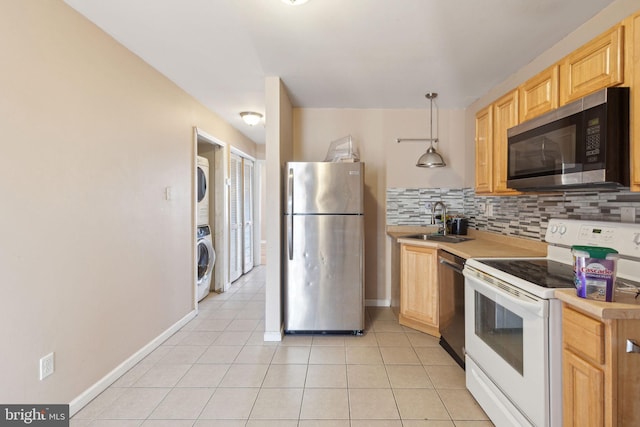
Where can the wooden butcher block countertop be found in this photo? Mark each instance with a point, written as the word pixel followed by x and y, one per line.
pixel 625 306
pixel 484 244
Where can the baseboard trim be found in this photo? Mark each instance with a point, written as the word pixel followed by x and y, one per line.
pixel 273 336
pixel 377 302
pixel 92 392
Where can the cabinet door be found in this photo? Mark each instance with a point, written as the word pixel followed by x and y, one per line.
pixel 596 65
pixel 539 94
pixel 635 104
pixel 419 288
pixel 484 150
pixel 505 115
pixel 583 392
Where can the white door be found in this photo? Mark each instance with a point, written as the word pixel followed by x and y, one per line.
pixel 236 217
pixel 248 216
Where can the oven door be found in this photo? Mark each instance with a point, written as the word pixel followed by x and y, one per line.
pixel 506 339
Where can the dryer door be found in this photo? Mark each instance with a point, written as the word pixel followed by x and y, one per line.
pixel 202 184
pixel 206 258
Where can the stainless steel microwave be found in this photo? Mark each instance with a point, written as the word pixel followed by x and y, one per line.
pixel 584 144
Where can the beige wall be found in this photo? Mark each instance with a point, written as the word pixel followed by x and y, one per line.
pixel 94 262
pixel 279 150
pixel 388 164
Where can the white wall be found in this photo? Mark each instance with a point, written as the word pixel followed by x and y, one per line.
pixel 94 262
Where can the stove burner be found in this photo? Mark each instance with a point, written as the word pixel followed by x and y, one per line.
pixel 541 272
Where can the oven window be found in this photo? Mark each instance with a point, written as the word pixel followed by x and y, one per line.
pixel 500 329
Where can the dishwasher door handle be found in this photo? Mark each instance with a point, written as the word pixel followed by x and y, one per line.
pixel 452 265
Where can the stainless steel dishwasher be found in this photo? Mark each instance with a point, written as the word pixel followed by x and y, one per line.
pixel 451 291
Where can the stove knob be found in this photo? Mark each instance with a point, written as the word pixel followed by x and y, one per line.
pixel 554 228
pixel 636 239
pixel 563 229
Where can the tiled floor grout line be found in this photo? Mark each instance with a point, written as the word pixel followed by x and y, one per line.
pixel 379 323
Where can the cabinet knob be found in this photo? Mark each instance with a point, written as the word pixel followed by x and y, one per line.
pixel 632 347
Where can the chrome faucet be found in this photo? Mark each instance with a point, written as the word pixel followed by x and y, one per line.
pixel 444 215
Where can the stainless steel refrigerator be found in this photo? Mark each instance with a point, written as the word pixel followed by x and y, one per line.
pixel 324 253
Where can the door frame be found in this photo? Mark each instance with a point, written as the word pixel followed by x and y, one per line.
pixel 221 224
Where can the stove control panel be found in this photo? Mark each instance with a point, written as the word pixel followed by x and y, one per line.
pixel 623 237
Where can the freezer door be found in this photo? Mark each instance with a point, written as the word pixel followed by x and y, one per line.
pixel 325 274
pixel 324 188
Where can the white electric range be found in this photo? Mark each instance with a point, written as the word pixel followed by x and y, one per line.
pixel 513 322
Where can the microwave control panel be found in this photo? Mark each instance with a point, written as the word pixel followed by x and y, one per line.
pixel 592 148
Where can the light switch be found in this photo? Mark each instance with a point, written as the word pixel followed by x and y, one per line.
pixel 168 193
pixel 628 214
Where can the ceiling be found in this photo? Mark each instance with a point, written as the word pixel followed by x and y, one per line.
pixel 337 53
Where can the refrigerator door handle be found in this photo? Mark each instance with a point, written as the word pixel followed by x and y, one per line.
pixel 290 211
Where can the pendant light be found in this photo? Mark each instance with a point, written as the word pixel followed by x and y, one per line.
pixel 431 158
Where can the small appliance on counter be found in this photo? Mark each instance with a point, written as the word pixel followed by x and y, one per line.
pixel 458 225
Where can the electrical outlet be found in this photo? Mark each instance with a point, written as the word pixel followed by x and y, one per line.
pixel 628 214
pixel 489 209
pixel 482 206
pixel 46 366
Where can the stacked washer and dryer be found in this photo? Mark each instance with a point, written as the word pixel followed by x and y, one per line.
pixel 204 241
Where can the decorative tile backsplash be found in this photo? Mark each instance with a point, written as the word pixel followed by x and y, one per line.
pixel 522 216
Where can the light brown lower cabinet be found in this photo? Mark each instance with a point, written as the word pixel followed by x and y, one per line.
pixel 419 288
pixel 600 380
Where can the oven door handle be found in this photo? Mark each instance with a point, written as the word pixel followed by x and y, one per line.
pixel 518 298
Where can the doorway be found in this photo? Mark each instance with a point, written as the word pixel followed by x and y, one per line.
pixel 216 152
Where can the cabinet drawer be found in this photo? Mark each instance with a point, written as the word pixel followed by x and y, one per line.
pixel 584 335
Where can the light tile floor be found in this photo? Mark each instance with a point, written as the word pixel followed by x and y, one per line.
pixel 217 372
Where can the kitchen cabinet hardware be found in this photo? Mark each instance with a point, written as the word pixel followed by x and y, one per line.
pixel 632 347
pixel 451 265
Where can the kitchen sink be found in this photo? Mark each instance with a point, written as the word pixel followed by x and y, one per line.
pixel 449 238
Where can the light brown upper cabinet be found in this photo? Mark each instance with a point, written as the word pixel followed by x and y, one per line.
pixel 611 59
pixel 634 67
pixel 484 150
pixel 505 115
pixel 539 94
pixel 492 123
pixel 596 65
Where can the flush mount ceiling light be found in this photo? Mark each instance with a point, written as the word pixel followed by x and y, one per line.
pixel 431 158
pixel 251 117
pixel 294 2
